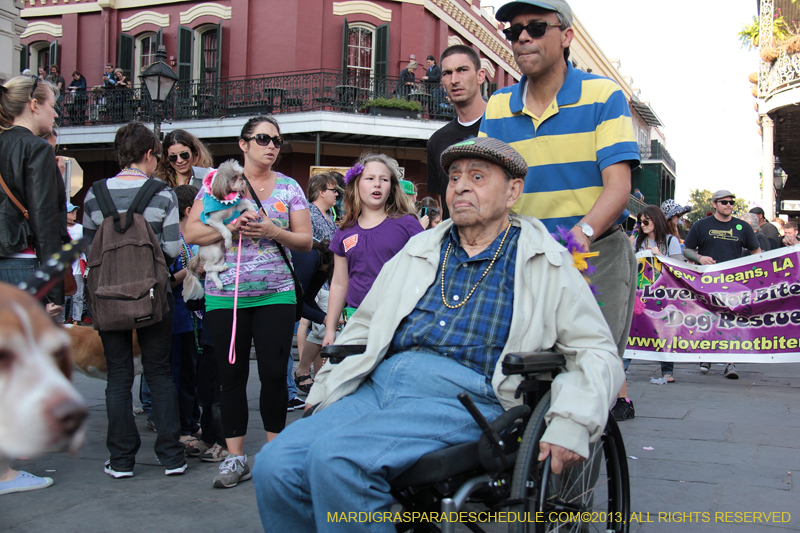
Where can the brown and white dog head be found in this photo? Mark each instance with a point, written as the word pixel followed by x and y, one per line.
pixel 226 182
pixel 40 409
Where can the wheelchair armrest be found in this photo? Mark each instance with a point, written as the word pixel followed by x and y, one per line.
pixel 338 352
pixel 532 362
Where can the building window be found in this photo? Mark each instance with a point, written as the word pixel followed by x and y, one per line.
pixel 144 54
pixel 209 59
pixel 360 55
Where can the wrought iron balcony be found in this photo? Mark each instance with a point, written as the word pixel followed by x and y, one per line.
pixel 657 152
pixel 321 90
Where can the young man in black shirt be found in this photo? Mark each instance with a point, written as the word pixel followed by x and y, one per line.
pixel 462 77
pixel 719 238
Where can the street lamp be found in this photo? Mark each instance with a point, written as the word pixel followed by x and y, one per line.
pixel 778 181
pixel 159 79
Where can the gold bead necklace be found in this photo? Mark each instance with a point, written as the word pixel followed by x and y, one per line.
pixel 444 267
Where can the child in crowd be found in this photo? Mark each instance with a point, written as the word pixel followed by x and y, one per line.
pixel 379 220
pixel 186 330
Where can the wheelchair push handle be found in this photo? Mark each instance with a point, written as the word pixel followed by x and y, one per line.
pixel 486 428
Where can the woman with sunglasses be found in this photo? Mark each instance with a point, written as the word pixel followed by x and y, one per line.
pixel 33 221
pixel 266 292
pixel 654 236
pixel 185 160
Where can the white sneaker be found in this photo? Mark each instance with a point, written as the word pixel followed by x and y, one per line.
pixel 176 471
pixel 116 474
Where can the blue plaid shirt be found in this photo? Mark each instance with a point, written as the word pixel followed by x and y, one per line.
pixel 475 333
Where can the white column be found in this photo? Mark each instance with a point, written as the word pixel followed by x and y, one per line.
pixel 767 167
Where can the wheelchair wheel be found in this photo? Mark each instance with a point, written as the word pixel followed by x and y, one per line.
pixel 593 496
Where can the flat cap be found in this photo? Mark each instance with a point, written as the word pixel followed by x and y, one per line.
pixel 722 194
pixel 488 149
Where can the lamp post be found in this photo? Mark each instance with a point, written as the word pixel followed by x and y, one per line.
pixel 159 79
pixel 778 181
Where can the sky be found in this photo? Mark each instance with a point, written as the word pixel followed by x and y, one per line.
pixel 686 59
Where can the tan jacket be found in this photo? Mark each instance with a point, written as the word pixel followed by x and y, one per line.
pixel 553 307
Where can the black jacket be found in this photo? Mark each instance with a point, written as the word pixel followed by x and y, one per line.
pixel 28 166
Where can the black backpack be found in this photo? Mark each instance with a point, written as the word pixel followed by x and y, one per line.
pixel 128 277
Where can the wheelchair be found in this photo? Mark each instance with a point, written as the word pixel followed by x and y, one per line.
pixel 501 471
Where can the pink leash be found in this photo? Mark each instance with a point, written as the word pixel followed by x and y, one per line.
pixel 232 349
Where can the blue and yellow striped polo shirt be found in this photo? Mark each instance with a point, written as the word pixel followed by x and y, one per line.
pixel 585 129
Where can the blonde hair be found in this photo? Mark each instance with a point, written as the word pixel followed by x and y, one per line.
pixel 15 95
pixel 413 65
pixel 397 205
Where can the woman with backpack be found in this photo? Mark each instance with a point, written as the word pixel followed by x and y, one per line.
pixel 136 148
pixel 266 300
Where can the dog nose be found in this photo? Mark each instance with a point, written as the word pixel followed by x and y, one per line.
pixel 67 416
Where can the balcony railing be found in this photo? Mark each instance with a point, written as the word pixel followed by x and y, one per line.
pixel 323 90
pixel 657 152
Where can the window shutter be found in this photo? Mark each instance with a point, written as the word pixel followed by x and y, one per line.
pixel 24 58
pixel 53 54
pixel 382 51
pixel 125 54
pixel 218 66
pixel 185 49
pixel 492 88
pixel 345 38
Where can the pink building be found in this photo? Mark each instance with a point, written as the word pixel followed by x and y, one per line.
pixel 312 63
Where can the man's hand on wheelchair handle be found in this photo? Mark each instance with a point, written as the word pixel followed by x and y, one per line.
pixel 562 457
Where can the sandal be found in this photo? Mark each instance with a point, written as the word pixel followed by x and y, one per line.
pixel 669 378
pixel 305 387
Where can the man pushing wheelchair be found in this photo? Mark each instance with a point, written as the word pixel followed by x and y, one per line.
pixel 437 322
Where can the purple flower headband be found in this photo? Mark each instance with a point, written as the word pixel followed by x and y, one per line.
pixel 357 169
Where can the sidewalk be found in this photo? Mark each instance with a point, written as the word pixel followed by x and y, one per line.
pixel 718 446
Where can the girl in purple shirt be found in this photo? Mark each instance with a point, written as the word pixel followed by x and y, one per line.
pixel 379 220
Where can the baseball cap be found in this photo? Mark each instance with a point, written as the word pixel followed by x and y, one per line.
pixel 509 10
pixel 489 149
pixel 71 208
pixel 408 187
pixel 722 194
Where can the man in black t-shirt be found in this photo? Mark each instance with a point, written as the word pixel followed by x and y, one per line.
pixel 462 77
pixel 719 238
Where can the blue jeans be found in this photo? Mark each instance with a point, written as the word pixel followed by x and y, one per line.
pixel 290 384
pixel 15 271
pixel 343 457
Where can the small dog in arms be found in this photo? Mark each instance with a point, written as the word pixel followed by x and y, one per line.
pixel 222 204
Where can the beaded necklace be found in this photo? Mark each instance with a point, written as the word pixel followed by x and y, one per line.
pixel 131 170
pixel 494 259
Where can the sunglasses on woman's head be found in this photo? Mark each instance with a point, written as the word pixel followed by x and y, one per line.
pixel 262 139
pixel 534 29
pixel 33 88
pixel 173 158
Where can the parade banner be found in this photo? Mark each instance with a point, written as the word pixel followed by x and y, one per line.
pixel 742 311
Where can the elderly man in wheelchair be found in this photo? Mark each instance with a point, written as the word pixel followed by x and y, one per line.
pixel 433 354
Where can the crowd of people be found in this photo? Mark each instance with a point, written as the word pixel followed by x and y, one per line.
pixel 431 287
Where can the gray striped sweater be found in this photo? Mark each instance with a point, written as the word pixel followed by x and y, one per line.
pixel 161 213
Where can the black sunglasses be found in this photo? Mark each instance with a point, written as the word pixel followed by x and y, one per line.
pixel 262 139
pixel 534 29
pixel 335 190
pixel 173 158
pixel 725 202
pixel 33 88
